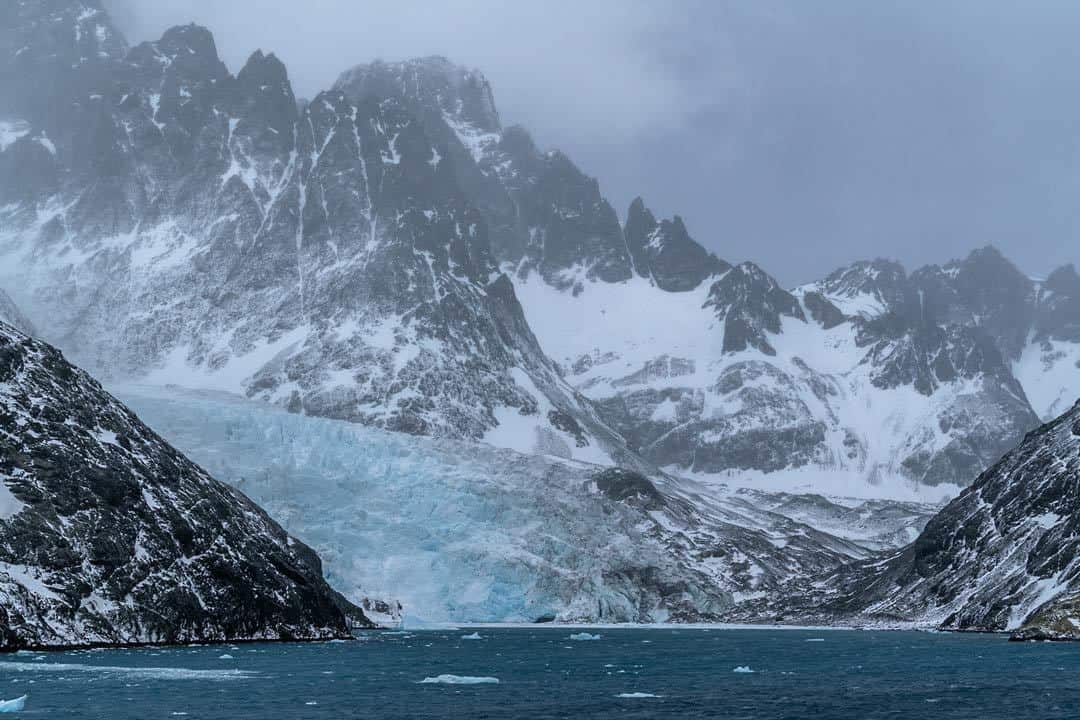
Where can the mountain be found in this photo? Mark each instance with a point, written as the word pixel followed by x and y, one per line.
pixel 185 225
pixel 870 381
pixel 390 254
pixel 109 535
pixel 458 530
pixel 1003 555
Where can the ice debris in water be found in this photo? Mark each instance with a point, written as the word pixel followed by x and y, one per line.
pixel 459 680
pixel 16 705
pixel 226 656
pixel 473 636
pixel 743 669
pixel 815 639
pixel 636 695
pixel 584 636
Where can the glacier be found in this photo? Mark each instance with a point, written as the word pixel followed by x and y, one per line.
pixel 464 532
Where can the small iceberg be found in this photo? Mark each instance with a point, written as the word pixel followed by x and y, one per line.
pixel 743 669
pixel 226 656
pixel 459 680
pixel 473 636
pixel 16 705
pixel 815 639
pixel 637 695
pixel 584 636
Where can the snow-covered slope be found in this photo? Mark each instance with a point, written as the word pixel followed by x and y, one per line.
pixel 741 381
pixel 184 224
pixel 109 535
pixel 1002 555
pixel 461 531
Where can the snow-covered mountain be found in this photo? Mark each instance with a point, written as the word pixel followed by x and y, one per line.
pixel 1004 555
pixel 462 531
pixel 870 381
pixel 391 255
pixel 179 223
pixel 109 535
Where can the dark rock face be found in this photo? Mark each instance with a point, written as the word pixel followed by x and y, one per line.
pixel 1058 619
pixel 1058 307
pixel 1003 555
pixel 109 535
pixel 983 290
pixel 545 215
pixel 751 304
pixel 628 486
pixel 666 253
pixel 50 50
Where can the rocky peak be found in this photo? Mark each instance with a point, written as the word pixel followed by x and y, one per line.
pixel 984 289
pixel 751 303
pixel 665 252
pixel 264 107
pixel 431 82
pixel 1064 281
pixel 190 44
pixel 867 288
pixel 1057 313
pixel 262 69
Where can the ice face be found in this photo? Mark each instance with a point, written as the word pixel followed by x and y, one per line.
pixel 456 531
pixel 465 532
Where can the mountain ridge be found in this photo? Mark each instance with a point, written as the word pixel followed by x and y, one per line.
pixel 340 257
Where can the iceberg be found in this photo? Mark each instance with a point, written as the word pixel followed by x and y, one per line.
pixel 473 636
pixel 743 669
pixel 584 636
pixel 16 705
pixel 459 680
pixel 637 695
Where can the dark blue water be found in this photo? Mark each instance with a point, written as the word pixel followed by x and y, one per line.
pixel 544 674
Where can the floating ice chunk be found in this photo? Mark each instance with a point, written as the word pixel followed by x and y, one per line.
pixel 743 669
pixel 473 636
pixel 226 656
pixel 145 673
pixel 459 680
pixel 636 695
pixel 584 636
pixel 815 639
pixel 16 705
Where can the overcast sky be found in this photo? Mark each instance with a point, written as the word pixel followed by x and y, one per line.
pixel 800 135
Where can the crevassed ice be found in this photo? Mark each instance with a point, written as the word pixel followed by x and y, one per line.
pixel 456 531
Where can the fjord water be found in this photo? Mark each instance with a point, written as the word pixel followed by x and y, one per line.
pixel 542 673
